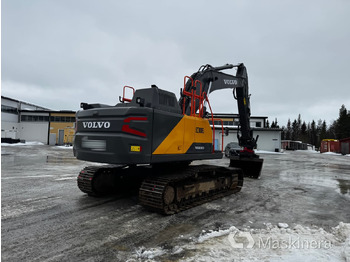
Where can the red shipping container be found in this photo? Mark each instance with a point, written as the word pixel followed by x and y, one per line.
pixel 330 145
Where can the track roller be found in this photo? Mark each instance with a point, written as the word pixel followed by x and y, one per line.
pixel 173 193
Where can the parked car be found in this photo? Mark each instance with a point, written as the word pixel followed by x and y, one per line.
pixel 232 149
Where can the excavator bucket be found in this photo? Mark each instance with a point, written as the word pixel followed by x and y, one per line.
pixel 251 166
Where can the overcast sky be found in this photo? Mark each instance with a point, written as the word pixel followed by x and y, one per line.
pixel 59 53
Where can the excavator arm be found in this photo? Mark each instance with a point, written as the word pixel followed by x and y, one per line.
pixel 213 79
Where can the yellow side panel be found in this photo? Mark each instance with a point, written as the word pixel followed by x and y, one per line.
pixel 190 126
pixel 188 131
pixel 173 143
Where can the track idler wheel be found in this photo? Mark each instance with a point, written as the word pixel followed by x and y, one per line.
pixel 169 195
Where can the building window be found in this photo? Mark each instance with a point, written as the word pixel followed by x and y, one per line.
pixel 28 118
pixel 36 118
pixel 257 124
pixel 9 109
pixel 62 119
pixel 225 123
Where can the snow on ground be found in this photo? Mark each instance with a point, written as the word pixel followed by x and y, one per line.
pixel 267 152
pixel 302 151
pixel 331 153
pixel 30 143
pixel 275 243
pixel 310 151
pixel 284 152
pixel 34 143
pixel 65 147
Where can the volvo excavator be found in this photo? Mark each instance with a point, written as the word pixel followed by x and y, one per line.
pixel 149 142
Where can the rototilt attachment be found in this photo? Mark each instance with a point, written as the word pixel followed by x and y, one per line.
pixel 251 164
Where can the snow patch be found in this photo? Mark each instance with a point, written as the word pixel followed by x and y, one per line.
pixel 282 225
pixel 64 147
pixel 278 242
pixel 331 153
pixel 65 178
pixel 267 152
pixel 33 143
pixel 151 253
pixel 310 151
pixel 213 234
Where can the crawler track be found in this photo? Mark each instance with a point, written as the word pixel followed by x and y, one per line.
pixel 174 193
pixel 103 180
pixel 85 179
pixel 163 191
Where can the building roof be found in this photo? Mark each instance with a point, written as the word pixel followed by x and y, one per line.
pixel 11 99
pixel 25 103
pixel 225 115
pixel 218 127
pixel 49 111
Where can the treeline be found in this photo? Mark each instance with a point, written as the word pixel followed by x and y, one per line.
pixel 313 133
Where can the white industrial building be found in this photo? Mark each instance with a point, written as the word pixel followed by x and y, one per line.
pixel 11 126
pixel 24 121
pixel 269 138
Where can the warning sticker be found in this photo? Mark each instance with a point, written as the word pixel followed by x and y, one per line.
pixel 135 149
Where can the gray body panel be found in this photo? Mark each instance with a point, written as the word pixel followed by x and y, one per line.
pixel 129 133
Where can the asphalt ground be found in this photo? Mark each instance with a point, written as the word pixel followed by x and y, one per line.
pixel 45 217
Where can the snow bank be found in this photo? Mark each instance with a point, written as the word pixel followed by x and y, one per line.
pixel 334 154
pixel 310 151
pixel 331 153
pixel 143 253
pixel 275 243
pixel 65 147
pixel 33 143
pixel 267 152
pixel 213 234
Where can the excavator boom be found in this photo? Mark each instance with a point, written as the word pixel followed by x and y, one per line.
pixel 213 79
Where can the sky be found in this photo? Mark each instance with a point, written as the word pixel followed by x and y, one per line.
pixel 57 54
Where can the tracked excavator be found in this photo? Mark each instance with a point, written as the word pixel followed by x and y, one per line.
pixel 149 142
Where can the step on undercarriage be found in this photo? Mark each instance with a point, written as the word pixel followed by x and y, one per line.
pixel 160 190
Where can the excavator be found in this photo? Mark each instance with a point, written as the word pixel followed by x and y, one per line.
pixel 149 141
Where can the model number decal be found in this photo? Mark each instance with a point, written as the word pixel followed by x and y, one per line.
pixel 200 130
